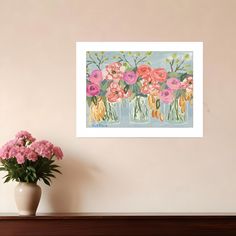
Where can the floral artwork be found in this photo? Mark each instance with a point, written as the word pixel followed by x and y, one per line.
pixel 139 89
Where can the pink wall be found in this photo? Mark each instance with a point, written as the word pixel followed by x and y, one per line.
pixel 37 93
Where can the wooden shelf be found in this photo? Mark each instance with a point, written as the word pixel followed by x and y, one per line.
pixel 116 224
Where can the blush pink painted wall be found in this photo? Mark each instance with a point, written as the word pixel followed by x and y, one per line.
pixel 37 93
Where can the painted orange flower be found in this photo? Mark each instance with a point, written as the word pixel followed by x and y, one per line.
pixel 152 87
pixel 144 72
pixel 159 74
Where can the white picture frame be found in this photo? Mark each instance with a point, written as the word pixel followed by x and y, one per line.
pixel 197 62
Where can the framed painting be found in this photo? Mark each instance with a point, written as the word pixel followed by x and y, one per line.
pixel 139 89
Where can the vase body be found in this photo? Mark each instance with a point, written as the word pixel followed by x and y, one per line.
pixel 139 111
pixel 27 197
pixel 113 112
pixel 177 111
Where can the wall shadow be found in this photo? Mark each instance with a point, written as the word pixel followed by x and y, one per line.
pixel 64 194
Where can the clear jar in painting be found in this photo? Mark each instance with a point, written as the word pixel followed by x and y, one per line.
pixel 177 110
pixel 113 112
pixel 138 110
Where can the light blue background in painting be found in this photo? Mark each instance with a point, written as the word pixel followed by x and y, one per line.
pixel 158 60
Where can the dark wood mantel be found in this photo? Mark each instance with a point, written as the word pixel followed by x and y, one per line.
pixel 117 225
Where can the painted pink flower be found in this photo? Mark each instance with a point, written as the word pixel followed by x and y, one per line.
pixel 92 90
pixel 114 71
pixel 58 152
pixel 187 84
pixel 159 74
pixel 130 77
pixel 173 83
pixel 96 77
pixel 24 135
pixel 144 72
pixel 114 93
pixel 166 96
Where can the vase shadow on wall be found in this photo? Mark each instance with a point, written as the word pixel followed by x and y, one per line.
pixel 65 192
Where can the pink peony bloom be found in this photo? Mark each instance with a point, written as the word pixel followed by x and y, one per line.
pixel 114 71
pixel 43 148
pixel 92 90
pixel 114 93
pixel 58 152
pixel 173 83
pixel 25 135
pixel 166 96
pixel 96 77
pixel 130 77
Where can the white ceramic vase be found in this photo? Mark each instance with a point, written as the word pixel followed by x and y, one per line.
pixel 27 197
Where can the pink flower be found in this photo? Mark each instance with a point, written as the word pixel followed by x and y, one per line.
pixel 96 77
pixel 31 155
pixel 43 148
pixel 92 90
pixel 19 152
pixel 25 136
pixel 159 74
pixel 20 158
pixel 114 71
pixel 114 92
pixel 58 153
pixel 187 84
pixel 166 96
pixel 6 148
pixel 130 77
pixel 173 83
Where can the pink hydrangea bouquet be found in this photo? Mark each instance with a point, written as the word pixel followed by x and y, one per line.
pixel 27 160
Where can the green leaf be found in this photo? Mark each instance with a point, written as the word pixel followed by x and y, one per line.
pixel 94 100
pixel 89 101
pixel 173 75
pixel 46 181
pixel 126 88
pixel 174 55
pixel 186 57
pixel 158 104
pixel 149 53
pixel 7 179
